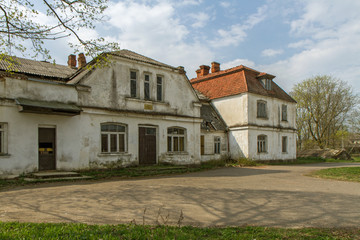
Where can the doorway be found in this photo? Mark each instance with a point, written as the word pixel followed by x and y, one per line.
pixel 47 149
pixel 147 145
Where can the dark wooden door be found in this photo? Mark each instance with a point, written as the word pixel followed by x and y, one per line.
pixel 147 145
pixel 47 160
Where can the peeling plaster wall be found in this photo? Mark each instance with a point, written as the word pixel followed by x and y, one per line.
pixel 209 145
pixel 110 88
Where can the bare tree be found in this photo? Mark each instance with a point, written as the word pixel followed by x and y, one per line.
pixel 324 103
pixel 19 24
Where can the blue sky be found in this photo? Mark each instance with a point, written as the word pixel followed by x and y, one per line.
pixel 292 40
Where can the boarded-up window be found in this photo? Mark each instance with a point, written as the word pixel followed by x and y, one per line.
pixel 262 144
pixel 133 87
pixel 261 109
pixel 159 88
pixel 284 112
pixel 113 138
pixel 176 139
pixel 284 144
pixel 147 87
pixel 202 144
pixel 217 144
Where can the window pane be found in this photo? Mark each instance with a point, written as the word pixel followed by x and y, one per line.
pixel 133 88
pixel 170 130
pixel 104 128
pixel 159 80
pixel 120 128
pixel 113 143
pixel 147 90
pixel 181 131
pixel 159 92
pixel 176 144
pixel 104 143
pixel 181 144
pixel 147 77
pixel 1 142
pixel 169 144
pixel 132 75
pixel 121 143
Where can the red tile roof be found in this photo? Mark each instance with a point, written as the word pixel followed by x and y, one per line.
pixel 235 81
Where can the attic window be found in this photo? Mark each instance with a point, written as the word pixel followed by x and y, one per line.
pixel 266 83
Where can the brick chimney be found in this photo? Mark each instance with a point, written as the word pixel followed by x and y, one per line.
pixel 204 70
pixel 198 73
pixel 72 61
pixel 81 60
pixel 215 67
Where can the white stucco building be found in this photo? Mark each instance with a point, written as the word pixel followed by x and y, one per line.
pixel 135 110
pixel 260 116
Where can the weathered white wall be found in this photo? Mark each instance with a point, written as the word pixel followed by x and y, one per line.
pixel 209 145
pixel 23 140
pixel 240 114
pixel 233 109
pixel 110 87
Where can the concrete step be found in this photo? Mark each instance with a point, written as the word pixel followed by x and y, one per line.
pixel 53 174
pixel 69 178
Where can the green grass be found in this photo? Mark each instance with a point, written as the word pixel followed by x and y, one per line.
pixel 343 173
pixel 309 160
pixel 14 230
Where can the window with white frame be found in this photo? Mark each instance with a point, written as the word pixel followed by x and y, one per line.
pixel 284 144
pixel 159 88
pixel 261 109
pixel 133 84
pixel 3 138
pixel 217 144
pixel 262 144
pixel 113 138
pixel 283 112
pixel 147 87
pixel 176 139
pixel 266 83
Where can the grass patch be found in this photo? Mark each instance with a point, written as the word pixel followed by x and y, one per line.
pixel 14 230
pixel 344 173
pixel 309 160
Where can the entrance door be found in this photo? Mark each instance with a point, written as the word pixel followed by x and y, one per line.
pixel 47 149
pixel 147 145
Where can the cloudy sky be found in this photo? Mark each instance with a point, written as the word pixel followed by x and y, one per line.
pixel 293 40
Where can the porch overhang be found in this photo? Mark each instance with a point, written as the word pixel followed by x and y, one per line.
pixel 47 107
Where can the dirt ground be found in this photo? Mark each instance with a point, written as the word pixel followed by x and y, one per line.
pixel 276 196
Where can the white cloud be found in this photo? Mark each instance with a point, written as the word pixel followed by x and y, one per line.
pixel 301 44
pixel 156 32
pixel 237 32
pixel 225 4
pixel 201 19
pixel 238 62
pixel 271 52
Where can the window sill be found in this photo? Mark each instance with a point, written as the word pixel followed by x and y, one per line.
pixel 113 154
pixel 4 155
pixel 264 118
pixel 284 120
pixel 262 153
pixel 177 153
pixel 146 101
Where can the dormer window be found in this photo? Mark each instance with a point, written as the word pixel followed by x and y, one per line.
pixel 266 83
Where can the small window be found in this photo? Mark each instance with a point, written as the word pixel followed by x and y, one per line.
pixel 261 144
pixel 147 87
pixel 3 138
pixel 284 144
pixel 113 138
pixel 284 112
pixel 133 84
pixel 159 88
pixel 176 139
pixel 261 109
pixel 217 144
pixel 266 83
pixel 202 144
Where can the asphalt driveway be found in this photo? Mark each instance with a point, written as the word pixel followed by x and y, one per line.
pixel 278 196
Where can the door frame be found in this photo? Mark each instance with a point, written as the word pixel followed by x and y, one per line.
pixel 156 142
pixel 55 144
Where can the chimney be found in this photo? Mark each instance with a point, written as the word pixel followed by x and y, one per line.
pixel 198 73
pixel 215 67
pixel 81 60
pixel 204 70
pixel 72 61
